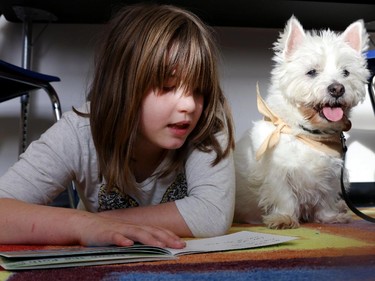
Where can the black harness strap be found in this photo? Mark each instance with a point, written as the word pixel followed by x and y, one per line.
pixel 345 195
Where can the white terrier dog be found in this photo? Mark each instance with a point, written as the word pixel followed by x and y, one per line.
pixel 288 166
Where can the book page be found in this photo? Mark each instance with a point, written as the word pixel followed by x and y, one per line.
pixel 234 241
pixel 83 256
pixel 85 251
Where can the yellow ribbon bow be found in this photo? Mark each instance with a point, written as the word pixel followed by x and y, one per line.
pixel 331 145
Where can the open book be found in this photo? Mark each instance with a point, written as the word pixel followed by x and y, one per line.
pixel 84 256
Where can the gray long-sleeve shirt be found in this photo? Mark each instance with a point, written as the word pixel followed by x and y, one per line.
pixel 204 195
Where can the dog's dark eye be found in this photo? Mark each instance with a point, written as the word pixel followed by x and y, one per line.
pixel 312 73
pixel 345 73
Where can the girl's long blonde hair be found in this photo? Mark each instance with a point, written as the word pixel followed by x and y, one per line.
pixel 140 48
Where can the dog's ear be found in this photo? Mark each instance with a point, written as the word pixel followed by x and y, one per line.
pixel 294 35
pixel 356 36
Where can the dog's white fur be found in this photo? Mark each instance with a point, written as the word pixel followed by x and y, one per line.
pixel 294 182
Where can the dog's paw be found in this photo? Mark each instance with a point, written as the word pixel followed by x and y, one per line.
pixel 342 206
pixel 279 221
pixel 341 217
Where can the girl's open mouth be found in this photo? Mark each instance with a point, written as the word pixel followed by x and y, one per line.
pixel 181 126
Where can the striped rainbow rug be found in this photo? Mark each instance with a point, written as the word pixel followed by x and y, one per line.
pixel 344 252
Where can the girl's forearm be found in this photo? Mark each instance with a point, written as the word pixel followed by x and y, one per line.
pixel 23 223
pixel 36 224
pixel 164 215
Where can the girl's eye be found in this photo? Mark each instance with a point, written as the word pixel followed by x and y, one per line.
pixel 168 88
pixel 170 84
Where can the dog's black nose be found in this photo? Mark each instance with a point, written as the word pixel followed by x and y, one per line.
pixel 336 90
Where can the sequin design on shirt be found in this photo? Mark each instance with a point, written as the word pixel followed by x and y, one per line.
pixel 177 190
pixel 116 199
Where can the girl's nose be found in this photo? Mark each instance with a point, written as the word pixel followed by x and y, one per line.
pixel 187 102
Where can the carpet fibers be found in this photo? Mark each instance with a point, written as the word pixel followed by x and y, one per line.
pixel 342 252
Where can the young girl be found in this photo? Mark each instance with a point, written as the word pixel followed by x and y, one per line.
pixel 150 153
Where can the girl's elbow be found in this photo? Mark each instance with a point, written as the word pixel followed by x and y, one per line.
pixel 217 227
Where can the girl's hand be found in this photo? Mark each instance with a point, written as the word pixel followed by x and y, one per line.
pixel 96 230
pixel 25 223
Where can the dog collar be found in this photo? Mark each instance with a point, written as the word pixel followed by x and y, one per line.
pixel 330 145
pixel 314 132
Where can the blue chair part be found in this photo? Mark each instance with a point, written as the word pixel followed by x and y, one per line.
pixel 16 82
pixel 370 55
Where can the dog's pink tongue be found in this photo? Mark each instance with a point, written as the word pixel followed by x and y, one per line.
pixel 333 113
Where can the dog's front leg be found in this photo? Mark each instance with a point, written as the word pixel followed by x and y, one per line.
pixel 279 204
pixel 332 210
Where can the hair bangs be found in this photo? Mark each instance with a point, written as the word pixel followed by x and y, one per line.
pixel 195 68
pixel 188 60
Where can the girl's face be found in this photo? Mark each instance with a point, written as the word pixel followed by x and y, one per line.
pixel 169 115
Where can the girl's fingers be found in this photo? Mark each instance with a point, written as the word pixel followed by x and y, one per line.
pixel 115 232
pixel 154 236
pixel 121 240
pixel 171 240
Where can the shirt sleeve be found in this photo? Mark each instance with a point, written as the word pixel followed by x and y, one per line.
pixel 44 170
pixel 208 208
